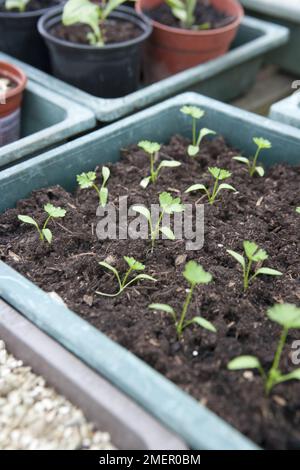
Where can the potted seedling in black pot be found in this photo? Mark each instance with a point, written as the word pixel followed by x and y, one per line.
pixel 19 36
pixel 96 46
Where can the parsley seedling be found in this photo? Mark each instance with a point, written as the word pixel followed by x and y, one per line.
pixel 152 149
pixel 288 316
pixel 184 11
pixel 91 14
pixel 218 175
pixel 254 254
pixel 168 205
pixel 196 114
pixel 87 180
pixel 252 164
pixel 52 213
pixel 134 265
pixel 195 275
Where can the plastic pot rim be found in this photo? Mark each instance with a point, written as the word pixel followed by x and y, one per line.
pixel 187 32
pixel 129 13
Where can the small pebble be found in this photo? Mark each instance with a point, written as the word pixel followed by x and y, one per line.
pixel 34 417
pixel 248 375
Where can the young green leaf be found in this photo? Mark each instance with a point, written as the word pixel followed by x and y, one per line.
pixel 149 147
pixel 193 111
pixel 105 174
pixel 184 11
pixel 85 12
pixel 254 254
pixel 195 187
pixel 195 274
pixel 268 272
pixel 27 220
pixel 169 204
pixel 244 362
pixel 167 232
pixel 239 258
pixel 298 210
pixel 54 212
pixel 287 315
pixel 162 307
pixel 196 114
pixel 152 148
pixel 47 234
pixel 260 171
pixel 143 211
pixel 168 164
pixel 252 164
pixel 89 13
pixel 207 325
pixel 241 159
pixel 219 174
pixel 262 143
pixel 133 265
pixel 194 149
pixel 86 180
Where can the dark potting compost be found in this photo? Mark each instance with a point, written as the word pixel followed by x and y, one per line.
pixel 263 211
pixel 114 31
pixel 205 14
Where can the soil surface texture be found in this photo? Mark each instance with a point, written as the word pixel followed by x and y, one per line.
pixel 113 31
pixel 263 210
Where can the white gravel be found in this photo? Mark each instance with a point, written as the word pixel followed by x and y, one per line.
pixel 33 416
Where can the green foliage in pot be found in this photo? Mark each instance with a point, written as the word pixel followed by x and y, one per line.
pixel 287 316
pixel 133 265
pixel 184 11
pixel 152 149
pixel 168 205
pixel 252 163
pixel 19 5
pixel 254 254
pixel 87 180
pixel 52 213
pixel 196 113
pixel 195 275
pixel 219 175
pixel 91 14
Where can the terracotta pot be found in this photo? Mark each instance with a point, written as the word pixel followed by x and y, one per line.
pixel 13 98
pixel 171 50
pixel 10 104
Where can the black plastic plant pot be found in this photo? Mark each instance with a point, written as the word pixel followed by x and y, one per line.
pixel 110 71
pixel 19 36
